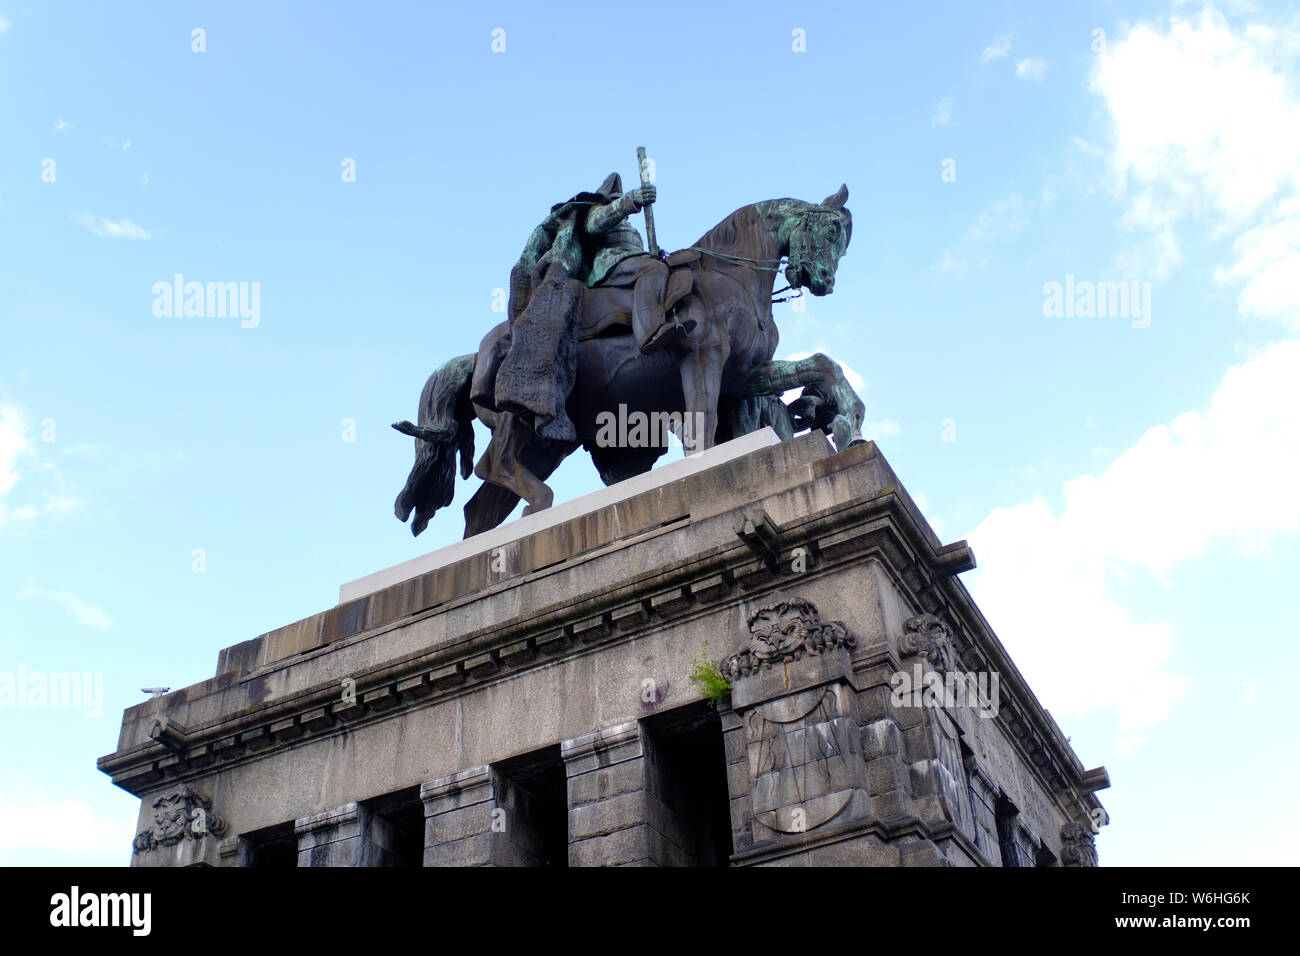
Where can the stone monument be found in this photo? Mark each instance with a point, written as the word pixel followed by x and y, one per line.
pixel 758 654
pixel 524 697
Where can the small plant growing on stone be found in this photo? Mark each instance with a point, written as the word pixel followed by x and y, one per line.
pixel 707 676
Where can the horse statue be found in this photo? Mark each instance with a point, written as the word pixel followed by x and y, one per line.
pixel 717 383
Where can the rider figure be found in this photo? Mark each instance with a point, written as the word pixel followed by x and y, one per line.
pixel 623 261
pixel 583 243
pixel 608 251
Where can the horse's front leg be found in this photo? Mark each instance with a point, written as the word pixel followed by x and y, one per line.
pixel 828 384
pixel 501 464
pixel 702 387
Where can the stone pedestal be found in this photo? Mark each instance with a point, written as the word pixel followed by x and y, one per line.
pixel 525 698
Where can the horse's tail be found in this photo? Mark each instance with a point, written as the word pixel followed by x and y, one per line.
pixel 446 426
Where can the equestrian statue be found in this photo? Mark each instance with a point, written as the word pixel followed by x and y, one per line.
pixel 601 328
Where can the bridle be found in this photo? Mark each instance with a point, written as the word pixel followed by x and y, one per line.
pixel 768 265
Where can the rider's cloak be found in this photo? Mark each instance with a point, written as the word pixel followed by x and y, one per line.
pixel 539 365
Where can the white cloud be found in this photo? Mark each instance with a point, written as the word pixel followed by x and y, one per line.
pixel 885 428
pixel 1206 125
pixel 61 125
pixel 1224 475
pixel 923 503
pixel 32 821
pixel 951 264
pixel 1154 257
pixel 1006 217
pixel 942 112
pixel 85 614
pixel 996 50
pixel 1268 266
pixel 13 445
pixel 1031 68
pixel 110 229
pixel 4 25
pixel 1197 110
pixel 1086 147
pixel 18 454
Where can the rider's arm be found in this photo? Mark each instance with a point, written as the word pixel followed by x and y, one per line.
pixel 604 218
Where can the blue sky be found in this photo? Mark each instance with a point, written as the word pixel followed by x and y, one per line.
pixel 1127 482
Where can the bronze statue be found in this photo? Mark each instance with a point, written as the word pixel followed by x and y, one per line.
pixel 595 324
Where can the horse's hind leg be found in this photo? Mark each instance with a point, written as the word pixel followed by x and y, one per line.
pixel 493 501
pixel 489 506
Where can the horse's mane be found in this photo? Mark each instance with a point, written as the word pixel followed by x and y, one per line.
pixel 741 233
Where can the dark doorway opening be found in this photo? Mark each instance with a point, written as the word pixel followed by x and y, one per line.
pixel 273 847
pixel 1007 817
pixel 531 815
pixel 688 774
pixel 396 827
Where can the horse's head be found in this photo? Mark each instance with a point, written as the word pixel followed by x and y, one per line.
pixel 818 237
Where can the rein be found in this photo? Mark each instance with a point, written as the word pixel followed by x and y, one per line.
pixel 757 264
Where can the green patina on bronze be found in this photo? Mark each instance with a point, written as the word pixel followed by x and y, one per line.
pixel 596 324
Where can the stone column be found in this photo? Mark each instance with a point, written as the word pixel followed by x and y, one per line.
pixel 349 835
pixel 932 738
pixel 616 814
pixel 458 817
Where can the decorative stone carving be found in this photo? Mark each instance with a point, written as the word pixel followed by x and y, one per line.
pixel 804 760
pixel 929 637
pixel 802 742
pixel 179 813
pixel 784 630
pixel 950 772
pixel 1078 846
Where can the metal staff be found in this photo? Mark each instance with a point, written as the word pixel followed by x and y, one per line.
pixel 649 212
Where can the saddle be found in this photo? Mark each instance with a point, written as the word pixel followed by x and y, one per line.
pixel 607 310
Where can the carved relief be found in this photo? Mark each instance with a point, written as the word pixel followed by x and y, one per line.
pixel 179 813
pixel 950 769
pixel 803 759
pixel 803 745
pixel 1078 847
pixel 784 630
pixel 929 637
